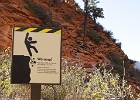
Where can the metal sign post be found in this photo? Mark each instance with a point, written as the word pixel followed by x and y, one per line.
pixel 35 92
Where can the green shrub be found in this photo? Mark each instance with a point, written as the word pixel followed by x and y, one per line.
pixel 76 84
pixel 79 32
pixel 98 86
pixel 7 90
pixel 76 4
pixel 55 24
pixel 127 62
pixel 133 75
pixel 68 16
pixel 56 2
pixel 119 44
pixel 98 27
pixel 108 44
pixel 27 1
pixel 38 11
pixel 80 11
pixel 41 13
pixel 95 37
pixel 119 63
pixel 1 47
pixel 132 61
pixel 108 33
pixel 114 40
pixel 5 63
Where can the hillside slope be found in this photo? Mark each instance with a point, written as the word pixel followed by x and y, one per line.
pixel 15 13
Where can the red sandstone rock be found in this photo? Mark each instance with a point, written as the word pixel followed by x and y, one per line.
pixel 14 13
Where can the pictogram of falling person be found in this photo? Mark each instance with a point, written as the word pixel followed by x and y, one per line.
pixel 28 41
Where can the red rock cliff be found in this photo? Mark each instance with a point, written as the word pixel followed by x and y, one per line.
pixel 14 13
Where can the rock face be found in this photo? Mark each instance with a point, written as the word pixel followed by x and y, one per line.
pixel 14 13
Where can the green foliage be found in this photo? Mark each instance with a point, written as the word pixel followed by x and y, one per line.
pixel 114 40
pixel 115 58
pixel 108 44
pixel 1 47
pixel 95 37
pixel 38 11
pixel 96 13
pixel 27 1
pixel 119 63
pixel 68 16
pixel 91 8
pixel 5 62
pixel 98 27
pixel 133 75
pixel 132 61
pixel 98 87
pixel 41 13
pixel 118 69
pixel 58 2
pixel 54 24
pixel 108 33
pixel 90 3
pixel 127 63
pixel 119 44
pixel 8 91
pixel 79 32
pixel 76 4
pixel 77 84
pixel 80 11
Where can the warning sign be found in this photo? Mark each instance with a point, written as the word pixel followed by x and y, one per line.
pixel 36 55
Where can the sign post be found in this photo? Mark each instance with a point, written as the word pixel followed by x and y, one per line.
pixel 35 92
pixel 36 57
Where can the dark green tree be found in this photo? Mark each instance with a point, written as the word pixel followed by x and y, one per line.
pixel 91 9
pixel 96 12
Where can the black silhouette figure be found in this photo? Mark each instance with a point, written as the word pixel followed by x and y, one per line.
pixel 28 41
